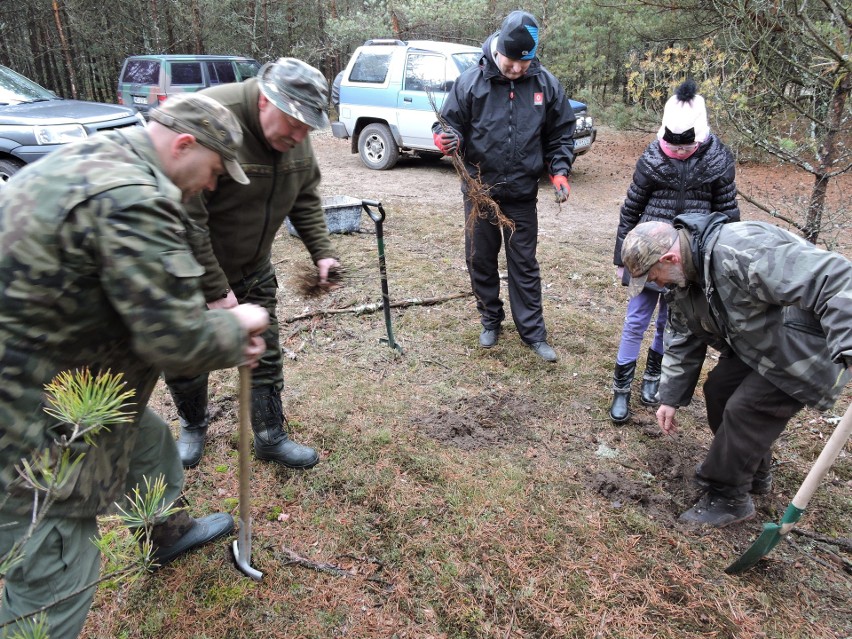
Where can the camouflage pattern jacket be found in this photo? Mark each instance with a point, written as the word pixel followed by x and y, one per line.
pixel 95 271
pixel 781 305
pixel 243 220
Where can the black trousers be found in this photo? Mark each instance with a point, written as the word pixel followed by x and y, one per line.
pixel 746 414
pixel 482 247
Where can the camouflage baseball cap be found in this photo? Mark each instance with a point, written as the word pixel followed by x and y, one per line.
pixel 642 248
pixel 297 89
pixel 212 124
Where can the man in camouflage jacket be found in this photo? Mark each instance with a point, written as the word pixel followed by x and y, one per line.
pixel 778 309
pixel 96 273
pixel 277 111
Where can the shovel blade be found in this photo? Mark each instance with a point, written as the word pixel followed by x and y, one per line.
pixel 241 559
pixel 769 538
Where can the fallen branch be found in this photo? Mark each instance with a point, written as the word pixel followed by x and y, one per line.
pixel 377 306
pixel 295 559
pixel 841 542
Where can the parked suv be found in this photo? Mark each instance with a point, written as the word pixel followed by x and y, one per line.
pixel 147 80
pixel 35 121
pixel 387 95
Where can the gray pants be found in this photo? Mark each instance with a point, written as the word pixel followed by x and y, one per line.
pixel 60 559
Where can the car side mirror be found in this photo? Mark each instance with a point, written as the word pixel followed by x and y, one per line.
pixel 448 86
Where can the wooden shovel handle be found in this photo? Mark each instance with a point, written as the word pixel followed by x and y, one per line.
pixel 826 458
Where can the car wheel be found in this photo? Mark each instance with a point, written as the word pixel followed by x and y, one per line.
pixel 8 168
pixel 377 147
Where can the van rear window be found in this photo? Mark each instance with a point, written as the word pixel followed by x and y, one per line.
pixel 186 73
pixel 371 66
pixel 142 72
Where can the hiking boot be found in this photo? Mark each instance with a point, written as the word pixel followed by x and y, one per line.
pixel 488 337
pixel 622 378
pixel 180 533
pixel 650 393
pixel 544 351
pixel 761 483
pixel 271 442
pixel 719 511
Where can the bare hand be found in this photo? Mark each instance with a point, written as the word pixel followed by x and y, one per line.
pixel 229 301
pixel 253 319
pixel 252 353
pixel 324 266
pixel 619 273
pixel 666 419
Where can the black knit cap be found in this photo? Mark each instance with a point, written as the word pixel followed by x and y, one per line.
pixel 518 36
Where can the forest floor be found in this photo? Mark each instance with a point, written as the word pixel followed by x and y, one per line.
pixel 469 493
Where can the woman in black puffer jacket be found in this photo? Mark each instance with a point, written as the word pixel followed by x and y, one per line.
pixel 686 169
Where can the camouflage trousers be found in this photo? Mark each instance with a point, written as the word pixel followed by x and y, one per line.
pixel 260 288
pixel 59 559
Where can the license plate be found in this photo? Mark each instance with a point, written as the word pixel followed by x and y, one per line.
pixel 139 99
pixel 582 143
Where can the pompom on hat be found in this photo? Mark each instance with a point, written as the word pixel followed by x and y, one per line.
pixel 685 117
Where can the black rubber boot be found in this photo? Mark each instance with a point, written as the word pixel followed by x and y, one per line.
pixel 270 439
pixel 180 533
pixel 650 395
pixel 191 403
pixel 619 412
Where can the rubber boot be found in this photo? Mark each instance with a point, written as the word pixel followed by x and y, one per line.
pixel 650 395
pixel 180 533
pixel 270 439
pixel 191 403
pixel 619 412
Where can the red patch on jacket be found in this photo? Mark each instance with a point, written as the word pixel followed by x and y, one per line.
pixel 538 99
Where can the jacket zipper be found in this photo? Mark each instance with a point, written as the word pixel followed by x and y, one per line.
pixel 267 214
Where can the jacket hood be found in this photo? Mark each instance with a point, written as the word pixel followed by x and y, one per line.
pixel 704 230
pixel 489 65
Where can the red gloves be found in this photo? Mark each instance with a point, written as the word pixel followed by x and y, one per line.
pixel 560 183
pixel 446 141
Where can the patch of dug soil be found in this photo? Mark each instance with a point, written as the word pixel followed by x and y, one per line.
pixel 620 489
pixel 484 421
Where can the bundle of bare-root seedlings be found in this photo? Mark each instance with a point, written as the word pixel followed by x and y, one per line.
pixel 306 280
pixel 482 205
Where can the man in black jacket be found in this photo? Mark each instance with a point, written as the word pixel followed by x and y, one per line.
pixel 510 118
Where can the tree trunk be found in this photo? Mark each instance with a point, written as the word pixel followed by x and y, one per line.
pixel 827 155
pixel 66 52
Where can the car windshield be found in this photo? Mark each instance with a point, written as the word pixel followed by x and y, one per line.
pixel 16 89
pixel 466 60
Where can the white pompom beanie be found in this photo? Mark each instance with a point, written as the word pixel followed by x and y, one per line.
pixel 685 116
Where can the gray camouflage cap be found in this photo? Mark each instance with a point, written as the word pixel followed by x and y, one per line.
pixel 297 89
pixel 642 248
pixel 212 124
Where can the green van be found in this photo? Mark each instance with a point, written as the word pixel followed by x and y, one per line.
pixel 147 80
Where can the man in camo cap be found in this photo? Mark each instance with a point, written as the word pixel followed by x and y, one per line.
pixel 96 273
pixel 778 310
pixel 277 110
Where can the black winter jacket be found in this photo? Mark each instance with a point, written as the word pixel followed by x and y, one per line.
pixel 664 188
pixel 511 131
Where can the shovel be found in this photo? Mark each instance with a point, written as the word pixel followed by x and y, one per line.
pixel 242 545
pixel 379 219
pixel 772 533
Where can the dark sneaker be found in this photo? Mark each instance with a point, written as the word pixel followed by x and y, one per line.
pixel 488 337
pixel 544 351
pixel 761 484
pixel 718 511
pixel 198 533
